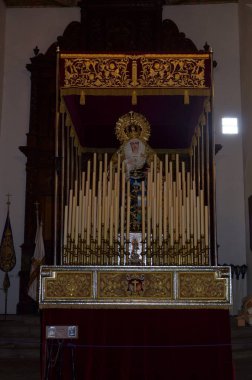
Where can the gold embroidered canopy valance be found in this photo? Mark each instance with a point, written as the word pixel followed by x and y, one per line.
pixel 147 74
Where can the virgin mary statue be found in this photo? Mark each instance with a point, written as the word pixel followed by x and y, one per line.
pixel 133 131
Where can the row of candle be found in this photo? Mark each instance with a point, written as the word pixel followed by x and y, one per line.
pixel 171 207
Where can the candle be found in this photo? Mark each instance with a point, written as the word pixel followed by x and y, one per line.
pixel 65 225
pixel 198 217
pixel 104 187
pixel 88 224
pixel 118 169
pixel 80 210
pixel 148 226
pixel 105 216
pixel 105 162
pixel 155 168
pixel 192 211
pixel 94 217
pixel 128 212
pixel 166 167
pixel 183 182
pixel 143 211
pixel 171 226
pixel 187 219
pixel 100 172
pixel 171 174
pixel 154 218
pixel 76 225
pixel 75 188
pixel 202 212
pixel 111 226
pixel 176 219
pixel 183 225
pixel 122 227
pixel 160 226
pixel 83 176
pixel 165 211
pixel 73 217
pixel 206 227
pixel 88 175
pixel 84 215
pixel 70 210
pixel 99 218
pixel 195 226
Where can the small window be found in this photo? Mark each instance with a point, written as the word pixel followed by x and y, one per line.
pixel 229 125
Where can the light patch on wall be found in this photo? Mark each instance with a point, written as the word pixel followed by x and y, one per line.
pixel 229 125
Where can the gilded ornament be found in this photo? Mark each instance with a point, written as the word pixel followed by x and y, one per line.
pixel 172 72
pixel 132 125
pixel 201 286
pixel 69 285
pixel 97 72
pixel 135 285
pixel 100 71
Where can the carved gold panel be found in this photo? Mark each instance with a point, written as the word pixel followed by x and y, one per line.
pixel 96 72
pixel 172 72
pixel 203 286
pixel 68 285
pixel 147 71
pixel 135 285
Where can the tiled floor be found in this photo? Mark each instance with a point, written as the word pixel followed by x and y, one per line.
pixel 19 354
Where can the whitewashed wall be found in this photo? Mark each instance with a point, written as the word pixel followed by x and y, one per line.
pixel 218 26
pixel 26 28
pixel 246 86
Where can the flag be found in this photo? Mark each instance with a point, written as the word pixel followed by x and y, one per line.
pixel 7 251
pixel 37 260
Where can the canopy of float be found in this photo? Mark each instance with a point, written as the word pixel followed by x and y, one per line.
pixel 170 90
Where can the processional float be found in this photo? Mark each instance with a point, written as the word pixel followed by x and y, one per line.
pixel 134 225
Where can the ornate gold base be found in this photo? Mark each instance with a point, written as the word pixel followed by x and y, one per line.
pixel 134 286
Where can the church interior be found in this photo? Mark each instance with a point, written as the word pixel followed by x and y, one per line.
pixel 126 206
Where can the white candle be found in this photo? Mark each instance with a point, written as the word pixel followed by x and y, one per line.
pixel 202 212
pixel 76 225
pixel 99 218
pixel 65 225
pixel 83 176
pixel 80 210
pixel 105 217
pixel 206 227
pixel 73 217
pixel 105 162
pixel 154 218
pixel 165 211
pixel 155 168
pixel 198 217
pixel 171 226
pixel 111 220
pixel 183 225
pixel 88 224
pixel 143 211
pixel 94 217
pixel 148 226
pixel 100 172
pixel 122 227
pixel 70 211
pixel 166 167
pixel 176 219
pixel 128 212
pixel 187 219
